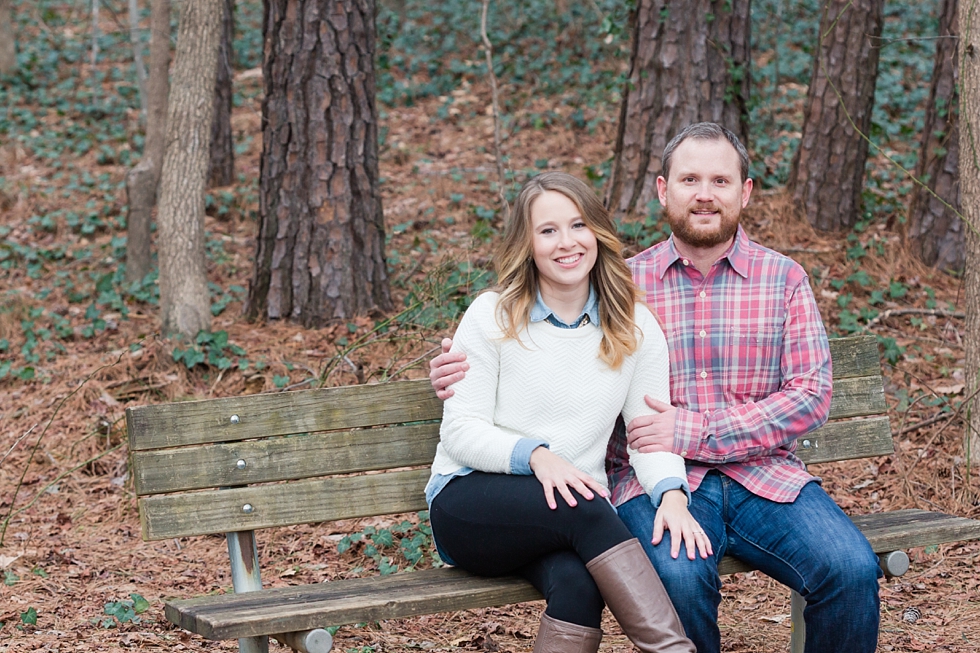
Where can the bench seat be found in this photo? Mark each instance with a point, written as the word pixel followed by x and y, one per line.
pixel 304 607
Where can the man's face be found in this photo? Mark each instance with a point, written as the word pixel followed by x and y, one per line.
pixel 705 195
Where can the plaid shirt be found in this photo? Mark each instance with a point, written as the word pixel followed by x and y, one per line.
pixel 750 367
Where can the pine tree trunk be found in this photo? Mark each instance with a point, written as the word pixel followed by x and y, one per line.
pixel 8 49
pixel 184 301
pixel 827 176
pixel 969 58
pixel 143 179
pixel 320 252
pixel 684 69
pixel 221 170
pixel 935 231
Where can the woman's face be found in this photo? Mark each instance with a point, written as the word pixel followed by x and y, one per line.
pixel 565 248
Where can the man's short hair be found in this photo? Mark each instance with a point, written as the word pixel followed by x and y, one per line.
pixel 706 131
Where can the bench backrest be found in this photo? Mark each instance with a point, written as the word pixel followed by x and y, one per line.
pixel 244 463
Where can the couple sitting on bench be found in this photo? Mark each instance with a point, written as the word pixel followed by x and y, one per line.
pixel 542 367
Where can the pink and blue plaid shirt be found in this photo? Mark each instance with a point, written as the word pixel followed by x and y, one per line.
pixel 750 367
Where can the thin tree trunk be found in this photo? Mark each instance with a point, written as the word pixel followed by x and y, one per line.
pixel 95 34
pixel 969 57
pixel 320 253
pixel 221 169
pixel 827 176
pixel 143 179
pixel 935 231
pixel 8 49
pixel 184 302
pixel 134 39
pixel 684 69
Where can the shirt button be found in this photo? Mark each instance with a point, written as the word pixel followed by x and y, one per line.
pixel 702 295
pixel 704 375
pixel 685 261
pixel 683 453
pixel 702 333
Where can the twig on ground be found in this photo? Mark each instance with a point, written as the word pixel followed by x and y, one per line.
pixel 892 312
pixel 14 445
pixel 925 423
pixel 488 50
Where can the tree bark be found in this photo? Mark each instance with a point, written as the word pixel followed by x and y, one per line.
pixel 320 251
pixel 221 170
pixel 8 48
pixel 184 302
pixel 684 69
pixel 969 58
pixel 143 179
pixel 935 231
pixel 827 176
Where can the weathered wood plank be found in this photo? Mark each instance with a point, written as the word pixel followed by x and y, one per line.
pixel 858 396
pixel 284 413
pixel 443 590
pixel 283 504
pixel 846 440
pixel 283 458
pixel 344 602
pixel 855 356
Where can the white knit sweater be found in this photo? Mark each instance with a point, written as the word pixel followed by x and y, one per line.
pixel 553 388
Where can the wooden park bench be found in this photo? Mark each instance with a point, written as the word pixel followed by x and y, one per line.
pixel 240 464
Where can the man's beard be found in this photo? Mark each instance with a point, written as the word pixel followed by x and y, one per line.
pixel 683 230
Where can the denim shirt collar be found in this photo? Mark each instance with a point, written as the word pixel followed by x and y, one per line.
pixel 540 311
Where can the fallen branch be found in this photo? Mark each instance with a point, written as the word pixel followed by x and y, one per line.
pixel 924 423
pixel 14 446
pixel 892 312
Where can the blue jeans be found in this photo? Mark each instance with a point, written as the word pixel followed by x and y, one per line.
pixel 809 545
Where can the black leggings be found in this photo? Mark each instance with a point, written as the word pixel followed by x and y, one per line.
pixel 496 524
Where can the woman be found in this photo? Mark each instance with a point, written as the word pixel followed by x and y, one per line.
pixel 556 353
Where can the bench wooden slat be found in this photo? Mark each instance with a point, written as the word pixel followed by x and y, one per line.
pixel 846 440
pixel 283 504
pixel 857 397
pixel 284 458
pixel 283 413
pixel 345 497
pixel 440 590
pixel 287 413
pixel 855 356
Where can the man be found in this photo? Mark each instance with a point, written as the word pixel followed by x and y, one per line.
pixel 750 373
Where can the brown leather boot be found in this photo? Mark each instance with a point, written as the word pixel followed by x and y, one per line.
pixel 562 637
pixel 634 594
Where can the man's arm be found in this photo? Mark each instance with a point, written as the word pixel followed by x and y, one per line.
pixel 446 369
pixel 801 404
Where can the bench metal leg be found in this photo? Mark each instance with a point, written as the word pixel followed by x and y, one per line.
pixel 245 577
pixel 798 638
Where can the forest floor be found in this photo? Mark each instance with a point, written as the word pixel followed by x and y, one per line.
pixel 72 548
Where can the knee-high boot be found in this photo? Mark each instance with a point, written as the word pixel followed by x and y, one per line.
pixel 634 594
pixel 556 636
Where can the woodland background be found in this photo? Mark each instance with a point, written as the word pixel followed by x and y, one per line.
pixel 80 340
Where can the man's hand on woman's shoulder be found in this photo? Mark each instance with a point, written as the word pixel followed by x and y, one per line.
pixel 446 369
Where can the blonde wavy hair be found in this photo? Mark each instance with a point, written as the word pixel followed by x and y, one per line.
pixel 611 278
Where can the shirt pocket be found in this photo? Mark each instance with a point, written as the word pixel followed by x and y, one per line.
pixel 752 357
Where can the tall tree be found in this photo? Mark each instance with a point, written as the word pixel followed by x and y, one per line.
pixel 184 302
pixel 320 251
pixel 143 179
pixel 685 68
pixel 221 169
pixel 935 231
pixel 827 176
pixel 8 49
pixel 969 58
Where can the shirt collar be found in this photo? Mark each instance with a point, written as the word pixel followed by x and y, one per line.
pixel 540 311
pixel 736 254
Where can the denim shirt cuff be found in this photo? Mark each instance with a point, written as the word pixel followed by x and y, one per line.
pixel 666 485
pixel 520 457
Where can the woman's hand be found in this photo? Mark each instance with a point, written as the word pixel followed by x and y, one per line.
pixel 673 515
pixel 556 473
